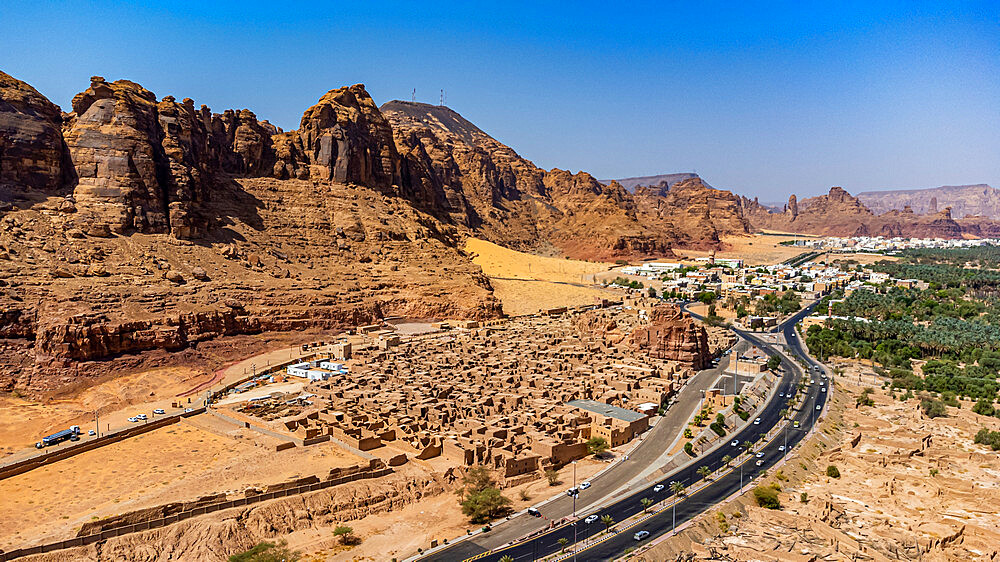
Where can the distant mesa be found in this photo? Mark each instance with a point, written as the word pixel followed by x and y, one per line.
pixel 662 180
pixel 979 200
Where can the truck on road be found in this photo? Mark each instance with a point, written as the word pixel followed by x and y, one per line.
pixel 72 434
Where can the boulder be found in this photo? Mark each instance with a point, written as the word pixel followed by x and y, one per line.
pixel 199 273
pixel 174 276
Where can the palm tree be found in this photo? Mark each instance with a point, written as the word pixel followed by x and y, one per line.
pixel 562 543
pixel 784 413
pixel 726 460
pixel 747 445
pixel 506 558
pixel 678 489
pixel 704 471
pixel 608 521
pixel 646 502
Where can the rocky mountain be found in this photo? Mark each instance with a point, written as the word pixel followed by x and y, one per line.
pixel 838 213
pixel 979 200
pixel 661 180
pixel 485 185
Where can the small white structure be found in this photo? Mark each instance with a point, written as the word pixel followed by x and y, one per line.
pixel 316 370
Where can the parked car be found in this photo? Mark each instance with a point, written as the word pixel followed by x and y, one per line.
pixel 186 410
pixel 133 419
pixel 658 488
pixel 141 417
pixel 818 407
pixel 91 432
pixel 756 421
pixel 534 512
pixel 573 492
pixel 159 411
pixel 590 519
pixel 640 535
pixel 584 485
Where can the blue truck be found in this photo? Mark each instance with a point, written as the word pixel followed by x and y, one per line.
pixel 72 434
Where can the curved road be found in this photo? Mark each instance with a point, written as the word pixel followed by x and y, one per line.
pixel 703 495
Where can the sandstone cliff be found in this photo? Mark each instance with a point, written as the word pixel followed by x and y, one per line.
pixel 32 152
pixel 673 335
pixel 979 200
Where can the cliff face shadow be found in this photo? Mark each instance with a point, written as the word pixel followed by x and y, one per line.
pixel 229 206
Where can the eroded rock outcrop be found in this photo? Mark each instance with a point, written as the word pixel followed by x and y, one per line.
pixel 672 334
pixel 32 153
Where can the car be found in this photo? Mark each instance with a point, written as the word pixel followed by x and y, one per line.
pixel 573 492
pixel 640 535
pixel 141 417
pixel 584 485
pixel 658 488
pixel 160 411
pixel 590 519
pixel 759 463
pixel 813 381
pixel 760 454
pixel 781 447
pixel 795 423
pixel 822 389
pixel 186 410
pixel 91 432
pixel 819 407
pixel 756 421
pixel 781 395
pixel 735 443
pixel 133 419
pixel 534 512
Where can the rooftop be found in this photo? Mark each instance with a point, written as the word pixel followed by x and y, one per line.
pixel 606 410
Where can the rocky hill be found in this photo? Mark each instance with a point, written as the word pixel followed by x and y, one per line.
pixel 661 180
pixel 485 185
pixel 838 213
pixel 979 200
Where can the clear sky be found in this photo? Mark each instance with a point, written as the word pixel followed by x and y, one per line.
pixel 762 98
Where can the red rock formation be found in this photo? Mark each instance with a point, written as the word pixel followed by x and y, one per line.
pixel 673 335
pixel 32 153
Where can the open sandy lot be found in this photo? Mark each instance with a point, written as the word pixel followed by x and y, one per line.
pixel 758 249
pixel 177 463
pixel 526 283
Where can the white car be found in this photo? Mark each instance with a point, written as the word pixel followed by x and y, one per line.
pixel 781 395
pixel 760 454
pixel 186 410
pixel 735 443
pixel 590 519
pixel 640 535
pixel 141 417
pixel 818 407
pixel 658 488
pixel 756 421
pixel 781 447
pixel 822 389
pixel 759 463
pixel 573 492
pixel 584 485
pixel 133 419
pixel 159 411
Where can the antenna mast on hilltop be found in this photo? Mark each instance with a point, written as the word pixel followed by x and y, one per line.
pixel 442 97
pixel 413 97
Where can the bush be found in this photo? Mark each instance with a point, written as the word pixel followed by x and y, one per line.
pixel 804 497
pixel 933 408
pixel 984 407
pixel 832 471
pixel 990 438
pixel 597 445
pixel 718 429
pixel 267 552
pixel 767 497
pixel 689 448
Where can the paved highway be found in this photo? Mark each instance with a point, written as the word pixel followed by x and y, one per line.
pixel 703 494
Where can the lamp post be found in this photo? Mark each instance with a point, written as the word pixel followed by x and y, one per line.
pixel 576 492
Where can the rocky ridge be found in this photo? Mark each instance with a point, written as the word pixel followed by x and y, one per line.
pixel 672 334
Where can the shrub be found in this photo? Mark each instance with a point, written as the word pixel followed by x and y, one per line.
pixel 597 445
pixel 267 552
pixel 933 408
pixel 718 429
pixel 984 407
pixel 990 438
pixel 552 476
pixel 689 448
pixel 804 497
pixel 832 471
pixel 767 497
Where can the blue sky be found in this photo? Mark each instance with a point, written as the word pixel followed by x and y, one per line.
pixel 761 98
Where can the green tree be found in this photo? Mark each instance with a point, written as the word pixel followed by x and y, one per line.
pixel 552 476
pixel 689 448
pixel 597 445
pixel 773 362
pixel 984 407
pixel 726 460
pixel 767 497
pixel 562 544
pixel 677 488
pixel 345 533
pixel 832 471
pixel 933 408
pixel 506 558
pixel 267 552
pixel 482 500
pixel 608 521
pixel 704 471
pixel 645 502
pixel 651 292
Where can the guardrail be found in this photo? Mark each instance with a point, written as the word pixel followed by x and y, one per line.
pixel 170 519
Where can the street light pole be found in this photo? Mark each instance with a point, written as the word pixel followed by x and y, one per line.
pixel 576 492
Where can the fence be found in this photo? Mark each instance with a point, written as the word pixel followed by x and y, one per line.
pixel 170 519
pixel 43 459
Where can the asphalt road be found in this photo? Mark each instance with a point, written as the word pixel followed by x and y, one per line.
pixel 654 443
pixel 689 505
